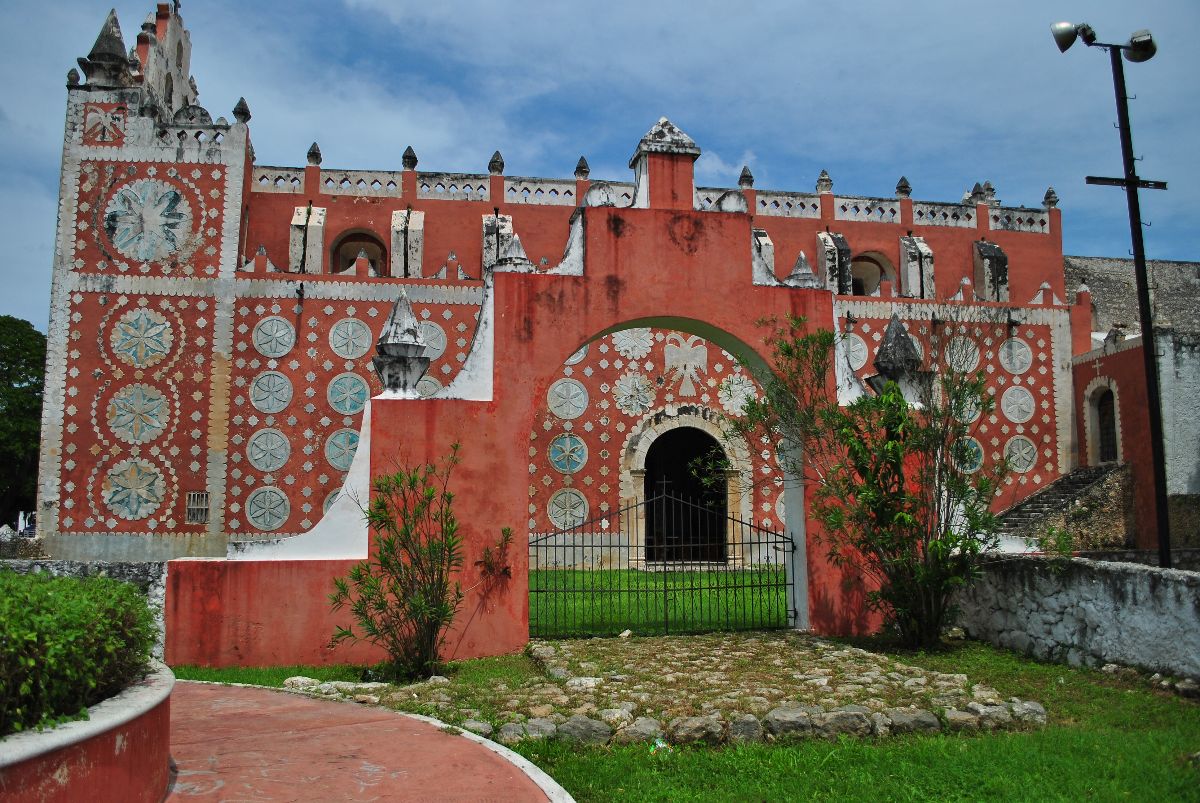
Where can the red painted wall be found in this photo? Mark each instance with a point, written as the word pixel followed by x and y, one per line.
pixel 128 764
pixel 1126 370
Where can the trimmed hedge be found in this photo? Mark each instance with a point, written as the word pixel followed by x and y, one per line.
pixel 67 643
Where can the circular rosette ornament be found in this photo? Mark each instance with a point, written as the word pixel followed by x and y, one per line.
pixel 138 413
pixel 634 394
pixel 148 220
pixel 735 392
pixel 634 344
pixel 141 338
pixel 133 489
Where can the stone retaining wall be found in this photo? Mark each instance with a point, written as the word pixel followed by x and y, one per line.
pixel 1090 613
pixel 150 578
pixel 1186 559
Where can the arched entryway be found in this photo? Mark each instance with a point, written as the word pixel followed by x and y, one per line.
pixel 687 490
pixel 1106 420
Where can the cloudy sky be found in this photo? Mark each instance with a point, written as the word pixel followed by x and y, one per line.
pixel 944 92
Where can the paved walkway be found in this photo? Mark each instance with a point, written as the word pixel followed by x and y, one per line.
pixel 239 743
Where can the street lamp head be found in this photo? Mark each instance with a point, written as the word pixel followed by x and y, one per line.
pixel 1141 47
pixel 1065 33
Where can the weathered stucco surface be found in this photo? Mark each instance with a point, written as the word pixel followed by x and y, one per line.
pixel 1089 613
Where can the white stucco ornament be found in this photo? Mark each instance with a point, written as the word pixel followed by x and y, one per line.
pixel 567 508
pixel 1015 355
pixel 274 337
pixel 735 391
pixel 962 355
pixel 1021 453
pixel 856 351
pixel 1018 404
pixel 633 393
pixel 350 338
pixel 148 220
pixel 270 392
pixel 634 344
pixel 567 398
pixel 142 338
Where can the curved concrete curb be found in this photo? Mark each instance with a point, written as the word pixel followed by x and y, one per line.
pixel 121 746
pixel 550 787
pixel 102 717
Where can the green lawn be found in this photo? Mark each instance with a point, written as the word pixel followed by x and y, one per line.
pixel 1108 739
pixel 577 603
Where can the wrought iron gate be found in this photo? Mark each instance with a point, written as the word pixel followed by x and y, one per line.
pixel 666 565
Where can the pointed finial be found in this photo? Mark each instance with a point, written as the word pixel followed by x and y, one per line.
pixel 314 155
pixel 150 25
pixel 409 158
pixel 72 77
pixel 110 45
pixel 897 355
pixel 824 182
pixel 977 194
pixel 400 359
pixel 135 63
pixel 582 171
pixel 746 179
pixel 241 111
pixel 903 188
pixel 496 164
pixel 1050 199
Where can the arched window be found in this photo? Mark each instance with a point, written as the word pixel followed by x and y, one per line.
pixel 169 92
pixel 350 245
pixel 867 271
pixel 1106 425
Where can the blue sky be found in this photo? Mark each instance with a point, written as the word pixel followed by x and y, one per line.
pixel 944 92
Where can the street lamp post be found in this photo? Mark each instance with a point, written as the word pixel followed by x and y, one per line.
pixel 1140 48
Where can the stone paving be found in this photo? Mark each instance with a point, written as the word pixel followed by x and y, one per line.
pixel 703 689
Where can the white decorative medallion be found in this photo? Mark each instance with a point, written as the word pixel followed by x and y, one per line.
pixel 428 386
pixel 133 489
pixel 268 450
pixel 270 392
pixel 340 448
pixel 856 351
pixel 687 359
pixel 138 413
pixel 347 393
pixel 141 338
pixel 578 356
pixel 567 508
pixel 350 338
pixel 1015 355
pixel 633 344
pixel 734 392
pixel 147 220
pixel 568 453
pixel 1018 404
pixel 274 337
pixel 435 339
pixel 634 393
pixel 1021 453
pixel 962 355
pixel 567 398
pixel 267 508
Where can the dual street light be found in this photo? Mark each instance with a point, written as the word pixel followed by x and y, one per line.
pixel 1139 48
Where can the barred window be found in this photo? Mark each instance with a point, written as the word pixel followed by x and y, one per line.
pixel 197 507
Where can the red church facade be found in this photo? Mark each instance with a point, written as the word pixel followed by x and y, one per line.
pixel 210 395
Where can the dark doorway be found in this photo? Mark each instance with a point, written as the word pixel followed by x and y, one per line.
pixel 1106 419
pixel 687 516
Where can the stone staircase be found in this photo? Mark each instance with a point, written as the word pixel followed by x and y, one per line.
pixel 1057 496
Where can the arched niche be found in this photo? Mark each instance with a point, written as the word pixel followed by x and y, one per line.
pixel 868 271
pixel 349 245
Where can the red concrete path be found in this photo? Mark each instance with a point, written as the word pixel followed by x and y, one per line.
pixel 238 744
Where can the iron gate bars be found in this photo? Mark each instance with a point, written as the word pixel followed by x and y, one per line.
pixel 665 565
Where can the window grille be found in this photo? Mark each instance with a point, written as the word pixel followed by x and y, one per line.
pixel 197 507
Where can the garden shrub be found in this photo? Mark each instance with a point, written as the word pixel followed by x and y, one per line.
pixel 67 643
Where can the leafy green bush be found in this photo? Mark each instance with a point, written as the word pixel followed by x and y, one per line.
pixel 65 644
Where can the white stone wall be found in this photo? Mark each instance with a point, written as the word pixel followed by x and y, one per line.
pixel 1179 381
pixel 1090 613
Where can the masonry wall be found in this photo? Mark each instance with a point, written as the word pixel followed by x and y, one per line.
pixel 1089 613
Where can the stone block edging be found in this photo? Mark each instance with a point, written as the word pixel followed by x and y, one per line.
pixel 23 752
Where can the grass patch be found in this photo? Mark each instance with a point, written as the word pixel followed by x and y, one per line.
pixel 1109 738
pixel 566 603
pixel 272 676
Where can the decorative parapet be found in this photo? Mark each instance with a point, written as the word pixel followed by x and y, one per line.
pixel 453 187
pixel 706 197
pixel 361 182
pixel 952 215
pixel 1020 219
pixel 788 204
pixel 874 210
pixel 277 179
pixel 541 191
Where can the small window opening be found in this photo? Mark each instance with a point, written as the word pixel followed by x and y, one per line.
pixel 197 507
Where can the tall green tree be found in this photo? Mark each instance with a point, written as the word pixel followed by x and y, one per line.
pixel 22 370
pixel 901 491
